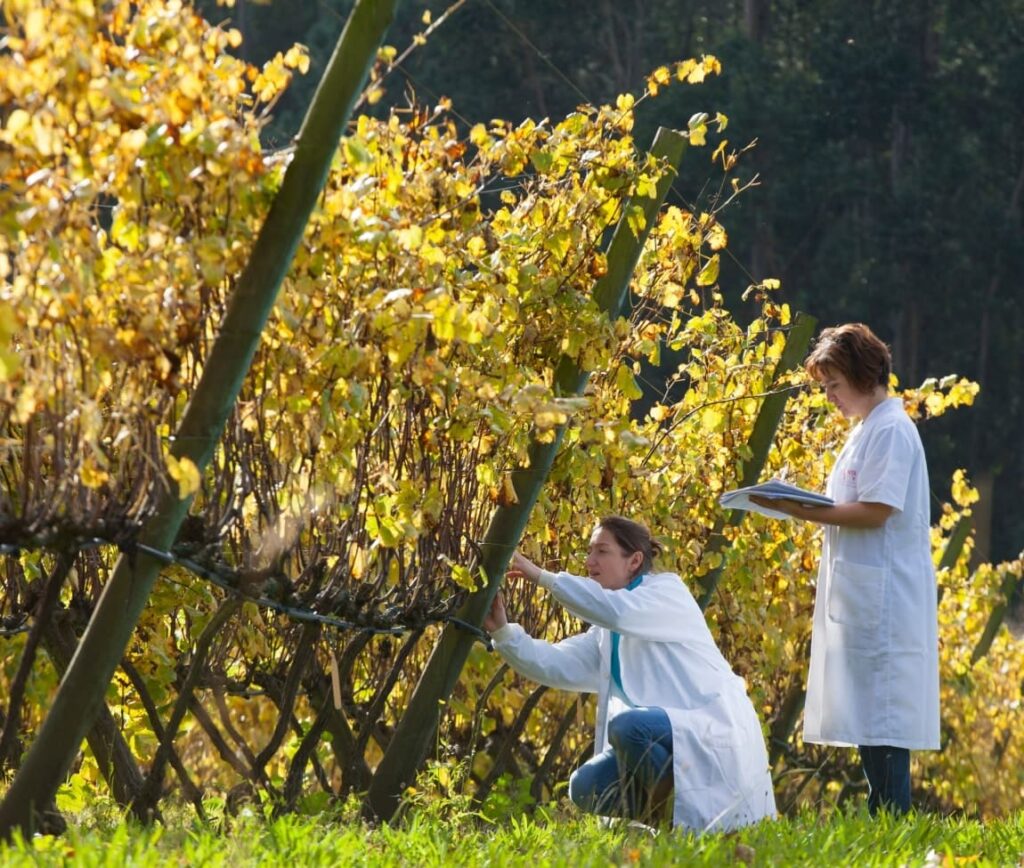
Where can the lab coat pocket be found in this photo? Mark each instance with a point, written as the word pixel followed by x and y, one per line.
pixel 855 594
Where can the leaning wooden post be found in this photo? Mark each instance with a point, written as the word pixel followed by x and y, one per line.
pixel 415 733
pixel 995 619
pixel 81 691
pixel 760 441
pixel 954 545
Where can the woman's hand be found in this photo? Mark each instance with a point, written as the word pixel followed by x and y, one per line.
pixel 522 567
pixel 783 504
pixel 497 617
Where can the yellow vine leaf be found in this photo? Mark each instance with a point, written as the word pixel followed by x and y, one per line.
pixel 91 474
pixel 185 473
pixel 964 494
pixel 709 273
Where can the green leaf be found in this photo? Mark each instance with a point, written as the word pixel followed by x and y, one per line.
pixel 712 419
pixel 636 220
pixel 558 243
pixel 709 273
pixel 124 231
pixel 463 577
pixel 647 186
pixel 542 161
pixel 626 382
pixel 355 151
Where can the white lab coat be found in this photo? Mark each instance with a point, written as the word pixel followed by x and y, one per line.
pixel 669 660
pixel 874 671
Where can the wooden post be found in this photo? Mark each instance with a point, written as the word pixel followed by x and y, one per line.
pixel 760 441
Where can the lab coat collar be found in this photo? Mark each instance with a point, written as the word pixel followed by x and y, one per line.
pixel 881 410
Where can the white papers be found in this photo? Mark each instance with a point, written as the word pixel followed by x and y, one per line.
pixel 773 489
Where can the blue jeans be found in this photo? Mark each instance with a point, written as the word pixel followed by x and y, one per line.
pixel 619 782
pixel 888 772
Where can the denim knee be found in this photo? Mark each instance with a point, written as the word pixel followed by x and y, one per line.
pixel 581 787
pixel 623 728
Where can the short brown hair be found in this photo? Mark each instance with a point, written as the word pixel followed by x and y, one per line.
pixel 854 351
pixel 632 537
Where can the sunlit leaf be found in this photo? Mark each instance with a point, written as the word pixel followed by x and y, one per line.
pixel 708 274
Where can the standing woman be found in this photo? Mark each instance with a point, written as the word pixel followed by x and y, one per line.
pixel 874 673
pixel 670 712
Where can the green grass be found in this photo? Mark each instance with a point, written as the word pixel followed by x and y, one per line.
pixel 427 838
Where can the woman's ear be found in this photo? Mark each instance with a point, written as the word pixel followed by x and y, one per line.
pixel 636 560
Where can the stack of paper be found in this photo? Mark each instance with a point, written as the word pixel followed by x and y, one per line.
pixel 773 489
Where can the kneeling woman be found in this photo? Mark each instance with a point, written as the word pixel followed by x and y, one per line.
pixel 671 714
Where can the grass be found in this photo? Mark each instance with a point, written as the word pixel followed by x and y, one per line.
pixel 426 837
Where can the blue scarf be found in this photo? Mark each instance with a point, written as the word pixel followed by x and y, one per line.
pixel 616 668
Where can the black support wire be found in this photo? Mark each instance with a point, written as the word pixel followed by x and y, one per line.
pixel 293 612
pixel 540 54
pixel 14 631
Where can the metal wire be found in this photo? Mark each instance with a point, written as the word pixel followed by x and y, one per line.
pixel 226 583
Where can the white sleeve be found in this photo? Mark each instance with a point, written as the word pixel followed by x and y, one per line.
pixel 572 664
pixel 661 609
pixel 885 468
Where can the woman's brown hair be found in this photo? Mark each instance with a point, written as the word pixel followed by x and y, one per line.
pixel 854 351
pixel 632 537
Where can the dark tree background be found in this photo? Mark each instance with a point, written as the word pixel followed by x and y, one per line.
pixel 890 147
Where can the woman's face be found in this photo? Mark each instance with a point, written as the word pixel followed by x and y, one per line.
pixel 609 564
pixel 849 401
